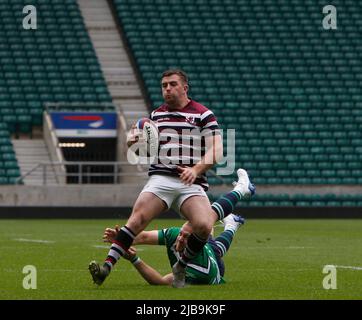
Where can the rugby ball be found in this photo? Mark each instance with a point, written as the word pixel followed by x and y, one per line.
pixel 150 135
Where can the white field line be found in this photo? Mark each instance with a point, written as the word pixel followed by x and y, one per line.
pixel 33 240
pixel 297 247
pixel 349 267
pixel 102 247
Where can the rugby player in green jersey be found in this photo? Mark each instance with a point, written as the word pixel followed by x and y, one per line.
pixel 206 268
pixel 222 208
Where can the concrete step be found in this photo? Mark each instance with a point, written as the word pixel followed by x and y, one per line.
pixel 27 166
pixel 92 3
pixel 110 32
pixel 125 71
pixel 90 10
pixel 39 182
pixel 117 59
pixel 119 81
pixel 106 36
pixel 130 108
pixel 39 173
pixel 108 51
pixel 129 102
pixel 90 29
pixel 121 93
pixel 28 143
pixel 31 165
pixel 112 73
pixel 29 154
pixel 36 152
pixel 40 178
pixel 32 157
pixel 114 64
pixel 135 113
pixel 96 19
pixel 33 154
pixel 106 43
pixel 100 24
pixel 116 73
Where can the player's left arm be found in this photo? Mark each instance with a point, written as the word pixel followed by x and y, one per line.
pixel 148 273
pixel 214 153
pixel 145 237
pixel 151 275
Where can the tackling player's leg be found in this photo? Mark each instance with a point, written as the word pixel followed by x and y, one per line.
pixel 223 241
pixel 243 188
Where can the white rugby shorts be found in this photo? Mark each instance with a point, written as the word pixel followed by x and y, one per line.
pixel 172 191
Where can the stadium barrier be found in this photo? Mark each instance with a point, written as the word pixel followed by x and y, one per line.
pixel 81 172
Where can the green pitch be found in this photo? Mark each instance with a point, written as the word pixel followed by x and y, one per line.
pixel 269 259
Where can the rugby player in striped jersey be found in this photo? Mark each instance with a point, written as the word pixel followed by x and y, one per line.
pixel 190 144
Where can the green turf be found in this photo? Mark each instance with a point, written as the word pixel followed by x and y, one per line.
pixel 269 259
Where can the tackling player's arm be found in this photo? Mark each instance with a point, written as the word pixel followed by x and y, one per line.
pixel 151 275
pixel 145 237
pixel 148 273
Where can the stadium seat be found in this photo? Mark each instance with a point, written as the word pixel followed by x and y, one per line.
pixel 292 95
pixel 36 66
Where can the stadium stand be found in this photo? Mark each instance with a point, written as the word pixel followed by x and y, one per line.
pixel 267 68
pixel 291 89
pixel 54 63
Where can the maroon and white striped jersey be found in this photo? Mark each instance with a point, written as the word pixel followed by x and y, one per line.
pixel 182 138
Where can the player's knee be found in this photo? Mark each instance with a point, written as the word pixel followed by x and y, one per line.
pixel 137 221
pixel 202 228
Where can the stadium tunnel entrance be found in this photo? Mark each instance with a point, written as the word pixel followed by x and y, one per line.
pixel 89 151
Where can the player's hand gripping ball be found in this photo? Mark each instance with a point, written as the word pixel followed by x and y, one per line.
pixel 145 134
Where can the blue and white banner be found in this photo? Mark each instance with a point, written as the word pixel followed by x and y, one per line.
pixel 85 124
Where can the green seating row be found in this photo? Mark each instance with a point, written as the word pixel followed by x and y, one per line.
pixel 55 63
pixel 292 92
pixel 43 65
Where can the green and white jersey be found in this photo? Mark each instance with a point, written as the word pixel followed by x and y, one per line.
pixel 201 270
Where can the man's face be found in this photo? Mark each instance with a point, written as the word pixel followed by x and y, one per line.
pixel 173 89
pixel 181 240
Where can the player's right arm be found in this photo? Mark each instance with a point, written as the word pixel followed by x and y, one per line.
pixel 133 136
pixel 151 275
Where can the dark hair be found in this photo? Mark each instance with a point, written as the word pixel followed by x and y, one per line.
pixel 182 74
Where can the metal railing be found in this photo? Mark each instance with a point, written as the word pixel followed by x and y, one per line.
pixel 86 172
pixel 81 172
